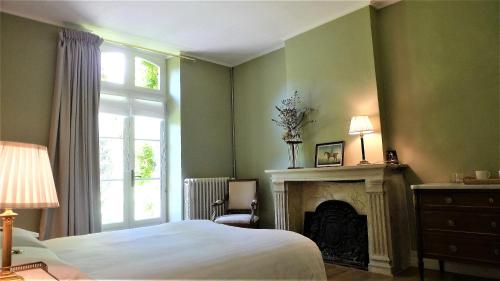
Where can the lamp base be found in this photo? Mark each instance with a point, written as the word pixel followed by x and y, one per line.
pixel 10 276
pixel 7 217
pixel 363 162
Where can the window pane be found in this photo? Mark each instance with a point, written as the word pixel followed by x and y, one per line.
pixel 113 67
pixel 147 199
pixel 111 158
pixel 111 201
pixel 107 97
pixel 147 128
pixel 147 159
pixel 110 125
pixel 147 74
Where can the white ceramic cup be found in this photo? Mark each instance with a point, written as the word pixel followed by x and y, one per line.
pixel 483 175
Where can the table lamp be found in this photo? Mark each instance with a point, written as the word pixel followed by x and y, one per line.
pixel 26 182
pixel 361 125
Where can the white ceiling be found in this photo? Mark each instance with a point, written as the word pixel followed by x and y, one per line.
pixel 227 33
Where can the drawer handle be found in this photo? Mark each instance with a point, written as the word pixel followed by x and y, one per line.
pixel 449 200
pixel 491 200
pixel 453 248
pixel 496 252
pixel 451 223
pixel 493 224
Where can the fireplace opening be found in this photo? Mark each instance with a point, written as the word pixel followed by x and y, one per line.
pixel 340 233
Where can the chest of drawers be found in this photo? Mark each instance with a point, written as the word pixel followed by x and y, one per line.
pixel 457 223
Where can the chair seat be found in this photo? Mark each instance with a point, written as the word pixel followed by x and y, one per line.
pixel 236 219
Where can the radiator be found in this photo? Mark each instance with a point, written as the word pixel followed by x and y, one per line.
pixel 200 193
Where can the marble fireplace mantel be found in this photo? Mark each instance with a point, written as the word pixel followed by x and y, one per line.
pixel 387 210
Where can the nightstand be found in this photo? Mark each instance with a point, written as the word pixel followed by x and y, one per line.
pixel 33 271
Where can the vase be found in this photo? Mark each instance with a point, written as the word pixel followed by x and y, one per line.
pixel 293 154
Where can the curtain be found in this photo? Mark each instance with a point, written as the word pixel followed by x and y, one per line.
pixel 74 137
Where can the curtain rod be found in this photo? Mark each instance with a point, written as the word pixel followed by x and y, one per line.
pixel 150 50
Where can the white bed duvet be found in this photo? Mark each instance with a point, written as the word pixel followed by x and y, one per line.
pixel 192 250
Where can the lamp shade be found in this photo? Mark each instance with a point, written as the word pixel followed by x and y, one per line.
pixel 360 125
pixel 26 180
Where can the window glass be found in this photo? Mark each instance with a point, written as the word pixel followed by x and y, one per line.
pixel 110 125
pixel 147 74
pixel 111 158
pixel 147 199
pixel 147 128
pixel 111 165
pixel 147 159
pixel 111 202
pixel 113 67
pixel 108 97
pixel 147 188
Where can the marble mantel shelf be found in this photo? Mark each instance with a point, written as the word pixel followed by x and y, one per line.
pixel 358 172
pixel 387 216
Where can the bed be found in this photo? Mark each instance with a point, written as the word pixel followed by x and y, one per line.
pixel 190 250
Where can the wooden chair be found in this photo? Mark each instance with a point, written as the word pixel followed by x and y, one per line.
pixel 241 203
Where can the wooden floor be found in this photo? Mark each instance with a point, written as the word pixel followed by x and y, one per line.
pixel 341 273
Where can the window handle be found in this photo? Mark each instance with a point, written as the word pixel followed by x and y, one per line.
pixel 132 177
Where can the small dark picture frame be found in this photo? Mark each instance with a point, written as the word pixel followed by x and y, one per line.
pixel 330 154
pixel 391 157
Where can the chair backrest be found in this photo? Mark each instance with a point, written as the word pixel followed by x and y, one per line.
pixel 241 194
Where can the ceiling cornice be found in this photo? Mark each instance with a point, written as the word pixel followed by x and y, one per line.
pixel 379 4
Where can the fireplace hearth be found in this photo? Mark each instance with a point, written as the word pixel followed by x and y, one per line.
pixel 340 233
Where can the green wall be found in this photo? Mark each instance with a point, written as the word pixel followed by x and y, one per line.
pixel 438 64
pixel 258 86
pixel 28 57
pixel 430 68
pixel 206 119
pixel 174 144
pixel 333 67
pixel 27 78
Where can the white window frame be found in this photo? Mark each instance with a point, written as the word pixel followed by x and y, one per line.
pixel 129 108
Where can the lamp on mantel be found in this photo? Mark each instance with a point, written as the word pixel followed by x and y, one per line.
pixel 26 182
pixel 361 125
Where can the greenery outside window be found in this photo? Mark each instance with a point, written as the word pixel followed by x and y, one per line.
pixel 132 138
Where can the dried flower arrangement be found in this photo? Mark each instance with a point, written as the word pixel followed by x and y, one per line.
pixel 292 117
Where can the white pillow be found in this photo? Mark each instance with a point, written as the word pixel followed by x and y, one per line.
pixel 24 238
pixel 23 232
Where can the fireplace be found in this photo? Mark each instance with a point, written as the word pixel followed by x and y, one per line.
pixel 340 233
pixel 377 191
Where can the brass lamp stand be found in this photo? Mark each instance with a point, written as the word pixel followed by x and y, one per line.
pixel 363 159
pixel 7 220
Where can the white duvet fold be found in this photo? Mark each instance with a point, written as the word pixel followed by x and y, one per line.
pixel 192 250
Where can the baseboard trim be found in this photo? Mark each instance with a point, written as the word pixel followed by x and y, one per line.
pixel 466 269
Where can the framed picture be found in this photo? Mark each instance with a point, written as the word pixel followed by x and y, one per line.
pixel 329 154
pixel 391 157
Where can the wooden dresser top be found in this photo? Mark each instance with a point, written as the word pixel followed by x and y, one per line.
pixel 455 186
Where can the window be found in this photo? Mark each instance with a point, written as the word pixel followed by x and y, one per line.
pixel 113 67
pixel 111 129
pixel 147 74
pixel 131 138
